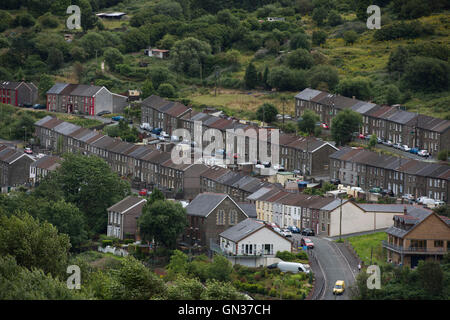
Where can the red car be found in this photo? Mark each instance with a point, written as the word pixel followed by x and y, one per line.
pixel 307 242
pixel 143 192
pixel 325 126
pixel 361 136
pixel 28 151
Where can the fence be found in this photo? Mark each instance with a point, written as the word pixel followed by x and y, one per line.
pixel 115 251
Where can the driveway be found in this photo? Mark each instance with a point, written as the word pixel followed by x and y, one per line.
pixel 333 263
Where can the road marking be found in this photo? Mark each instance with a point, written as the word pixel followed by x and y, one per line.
pixel 345 258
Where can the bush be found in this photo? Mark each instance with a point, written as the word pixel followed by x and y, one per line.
pixel 166 90
pixel 300 59
pixel 403 30
pixel 106 243
pixel 319 37
pixel 443 155
pixel 427 74
pixel 285 256
pixel 302 255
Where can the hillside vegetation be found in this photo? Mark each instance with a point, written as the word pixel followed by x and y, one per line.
pixel 323 44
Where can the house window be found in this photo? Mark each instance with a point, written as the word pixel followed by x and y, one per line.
pixel 233 217
pixel 439 243
pixel 220 217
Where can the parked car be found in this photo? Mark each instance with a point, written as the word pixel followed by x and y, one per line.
pixel 293 267
pixel 28 150
pixel 307 242
pixel 379 140
pixel 102 113
pixel 308 232
pixel 294 229
pixel 339 287
pixel 117 118
pixel 414 150
pixel 368 137
pixel 145 126
pixel 361 136
pixel 39 106
pixel 423 153
pixel 335 181
pixel 397 146
pixel 430 203
pixel 387 143
pixel 286 232
pixel 408 196
pixel 375 190
pixel 156 131
pixel 325 126
pixel 387 192
pixel 143 192
pixel 439 203
pixel 405 148
pixel 276 229
pixel 421 199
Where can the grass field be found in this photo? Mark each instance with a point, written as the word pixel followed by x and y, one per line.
pixel 365 243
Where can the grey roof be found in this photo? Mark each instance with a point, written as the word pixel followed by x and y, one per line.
pixel 66 128
pixel 43 120
pixel 249 209
pixel 57 88
pixel 85 90
pixel 204 203
pixel 127 203
pixel 363 107
pixel 401 117
pixel 333 205
pixel 307 94
pixel 242 229
pixel 258 193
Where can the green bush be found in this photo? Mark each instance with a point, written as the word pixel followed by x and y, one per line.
pixel 302 255
pixel 106 243
pixel 285 256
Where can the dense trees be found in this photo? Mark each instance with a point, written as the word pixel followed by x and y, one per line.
pixel 251 77
pixel 357 87
pixel 34 243
pixel 89 183
pixel 427 74
pixel 189 56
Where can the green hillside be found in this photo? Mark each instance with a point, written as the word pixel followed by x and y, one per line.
pixel 323 44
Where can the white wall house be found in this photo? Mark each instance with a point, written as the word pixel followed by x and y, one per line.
pixel 363 217
pixel 252 243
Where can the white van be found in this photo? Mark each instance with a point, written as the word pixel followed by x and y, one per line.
pixel 293 267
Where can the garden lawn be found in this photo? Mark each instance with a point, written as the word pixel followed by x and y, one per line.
pixel 363 244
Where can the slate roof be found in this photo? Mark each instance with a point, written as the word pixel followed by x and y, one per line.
pixel 204 203
pixel 242 230
pixel 248 208
pixel 48 163
pixel 130 202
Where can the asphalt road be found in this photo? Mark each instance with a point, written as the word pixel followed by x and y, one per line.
pixel 332 266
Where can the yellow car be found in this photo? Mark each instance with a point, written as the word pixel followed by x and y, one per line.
pixel 339 287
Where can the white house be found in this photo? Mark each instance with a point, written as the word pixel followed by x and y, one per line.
pixel 252 243
pixel 158 53
pixel 364 217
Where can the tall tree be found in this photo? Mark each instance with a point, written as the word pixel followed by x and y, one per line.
pixel 251 77
pixel 308 122
pixel 267 113
pixel 344 125
pixel 162 221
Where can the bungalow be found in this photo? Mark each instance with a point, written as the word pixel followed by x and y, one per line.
pixel 252 243
pixel 158 53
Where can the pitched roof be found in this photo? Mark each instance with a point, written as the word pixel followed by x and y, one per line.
pixel 204 203
pixel 242 229
pixel 127 204
pixel 248 208
pixel 48 163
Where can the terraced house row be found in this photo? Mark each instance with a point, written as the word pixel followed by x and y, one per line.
pixel 386 122
pixel 142 164
pixel 308 155
pixel 367 169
